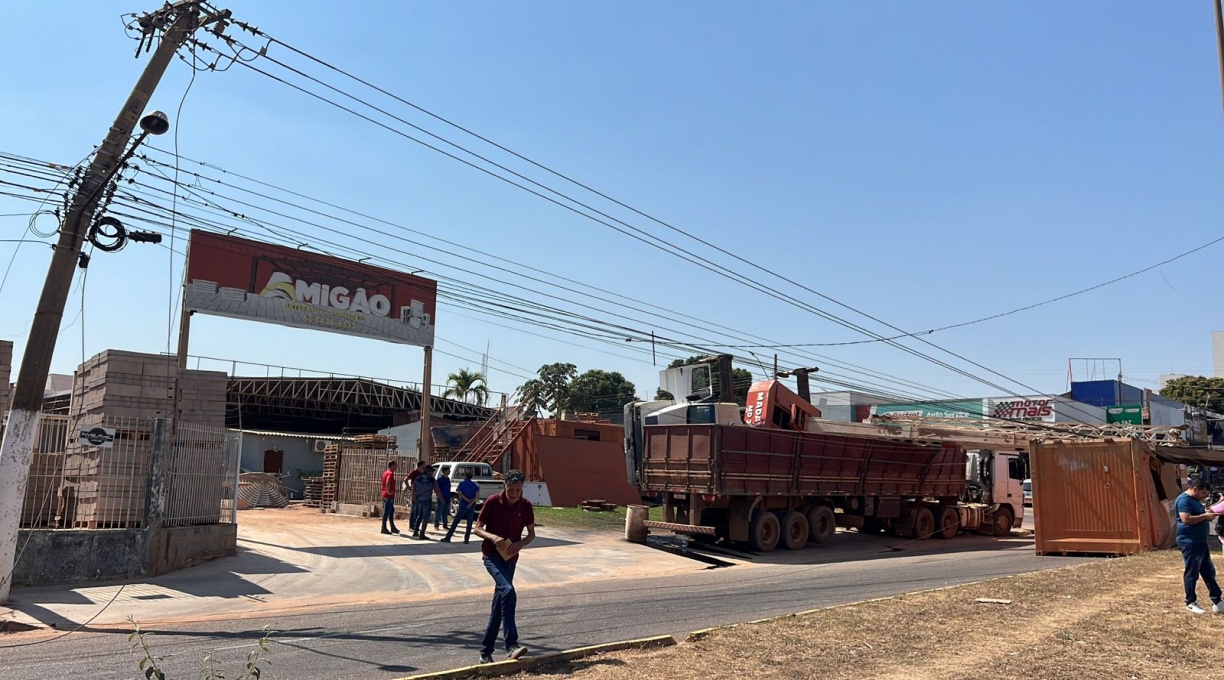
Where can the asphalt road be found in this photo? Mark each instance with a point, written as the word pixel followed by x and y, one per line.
pixel 401 638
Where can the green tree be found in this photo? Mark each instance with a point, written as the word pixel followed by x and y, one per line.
pixel 1197 390
pixel 464 384
pixel 531 396
pixel 741 379
pixel 555 382
pixel 601 392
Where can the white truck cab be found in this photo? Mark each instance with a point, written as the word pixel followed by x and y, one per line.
pixel 996 479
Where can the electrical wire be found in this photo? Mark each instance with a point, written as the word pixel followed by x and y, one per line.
pixel 682 253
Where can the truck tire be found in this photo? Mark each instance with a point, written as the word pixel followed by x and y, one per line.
pixel 924 524
pixel 1001 523
pixel 794 530
pixel 764 531
pixel 949 522
pixel 821 523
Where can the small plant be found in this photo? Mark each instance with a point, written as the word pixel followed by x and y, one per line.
pixel 213 669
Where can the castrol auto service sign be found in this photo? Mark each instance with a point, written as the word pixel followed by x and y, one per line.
pixel 236 277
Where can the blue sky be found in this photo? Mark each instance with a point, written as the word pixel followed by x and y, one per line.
pixel 927 163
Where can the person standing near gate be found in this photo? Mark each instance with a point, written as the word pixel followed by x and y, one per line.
pixel 502 521
pixel 423 489
pixel 444 496
pixel 1192 531
pixel 468 492
pixel 388 498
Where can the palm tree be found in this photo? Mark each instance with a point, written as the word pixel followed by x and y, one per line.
pixel 464 383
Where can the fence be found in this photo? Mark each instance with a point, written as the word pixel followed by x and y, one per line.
pixel 201 476
pixel 359 477
pixel 76 485
pixel 41 506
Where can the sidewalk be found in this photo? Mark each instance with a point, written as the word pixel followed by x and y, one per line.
pixel 295 558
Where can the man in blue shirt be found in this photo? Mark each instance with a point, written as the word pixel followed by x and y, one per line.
pixel 423 490
pixel 468 492
pixel 444 496
pixel 1192 524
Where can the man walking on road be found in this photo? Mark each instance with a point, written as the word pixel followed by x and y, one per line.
pixel 501 524
pixel 388 498
pixel 444 496
pixel 468 492
pixel 423 490
pixel 1192 528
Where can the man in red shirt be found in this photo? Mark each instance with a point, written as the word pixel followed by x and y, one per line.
pixel 388 497
pixel 502 521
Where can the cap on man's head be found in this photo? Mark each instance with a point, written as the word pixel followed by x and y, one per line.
pixel 514 476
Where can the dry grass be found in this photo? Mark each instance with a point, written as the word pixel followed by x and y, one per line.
pixel 1119 618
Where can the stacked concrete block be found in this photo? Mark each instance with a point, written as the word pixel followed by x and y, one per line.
pixel 126 391
pixel 120 384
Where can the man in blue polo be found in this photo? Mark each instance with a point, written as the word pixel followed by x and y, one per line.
pixel 1193 521
pixel 444 495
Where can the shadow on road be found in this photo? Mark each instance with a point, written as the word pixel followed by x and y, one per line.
pixel 406 549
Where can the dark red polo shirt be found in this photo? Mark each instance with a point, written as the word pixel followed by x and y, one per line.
pixel 504 519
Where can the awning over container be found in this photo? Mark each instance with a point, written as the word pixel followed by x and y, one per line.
pixel 1189 455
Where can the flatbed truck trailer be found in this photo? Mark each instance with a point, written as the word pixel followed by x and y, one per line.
pixel 773 487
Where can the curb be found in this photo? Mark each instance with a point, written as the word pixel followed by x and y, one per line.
pixel 509 667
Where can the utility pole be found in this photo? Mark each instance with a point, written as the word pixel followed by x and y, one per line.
pixel 22 428
pixel 426 449
pixel 1219 26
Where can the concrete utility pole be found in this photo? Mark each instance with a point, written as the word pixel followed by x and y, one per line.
pixel 1219 26
pixel 426 448
pixel 22 428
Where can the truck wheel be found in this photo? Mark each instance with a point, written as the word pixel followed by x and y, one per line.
pixel 1002 522
pixel 949 522
pixel 794 530
pixel 453 509
pixel 924 524
pixel 764 531
pixel 821 523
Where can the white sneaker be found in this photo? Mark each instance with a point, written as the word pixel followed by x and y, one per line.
pixel 1196 609
pixel 1218 608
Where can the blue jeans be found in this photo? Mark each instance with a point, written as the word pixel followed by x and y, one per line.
pixel 504 600
pixel 1197 559
pixel 464 513
pixel 388 512
pixel 443 507
pixel 420 515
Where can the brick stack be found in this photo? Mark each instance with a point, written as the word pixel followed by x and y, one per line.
pixel 126 390
pixel 122 384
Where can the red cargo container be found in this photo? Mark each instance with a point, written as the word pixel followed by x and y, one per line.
pixel 763 485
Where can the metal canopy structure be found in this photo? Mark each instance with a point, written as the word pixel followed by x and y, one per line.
pixel 331 405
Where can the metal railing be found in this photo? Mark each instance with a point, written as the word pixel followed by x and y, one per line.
pixel 201 476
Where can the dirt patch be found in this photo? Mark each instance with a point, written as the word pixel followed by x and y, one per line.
pixel 1119 618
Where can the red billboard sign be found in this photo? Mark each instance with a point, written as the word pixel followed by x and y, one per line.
pixel 239 278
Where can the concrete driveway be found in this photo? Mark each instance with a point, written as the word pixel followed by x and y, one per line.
pixel 297 557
